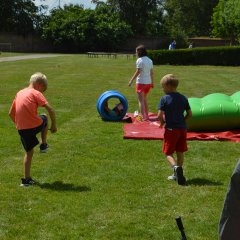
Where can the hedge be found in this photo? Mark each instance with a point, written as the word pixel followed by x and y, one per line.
pixel 219 56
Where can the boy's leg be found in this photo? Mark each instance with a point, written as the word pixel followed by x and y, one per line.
pixel 179 170
pixel 27 163
pixel 168 150
pixel 44 132
pixel 180 149
pixel 27 180
pixel 180 158
pixel 171 160
pixel 169 147
pixel 44 135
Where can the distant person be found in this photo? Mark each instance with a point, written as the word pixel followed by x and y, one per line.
pixel 172 45
pixel 190 45
pixel 171 110
pixel 23 113
pixel 144 79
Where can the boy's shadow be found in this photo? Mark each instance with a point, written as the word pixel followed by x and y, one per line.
pixel 202 182
pixel 60 186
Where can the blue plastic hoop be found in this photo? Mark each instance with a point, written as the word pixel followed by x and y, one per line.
pixel 104 98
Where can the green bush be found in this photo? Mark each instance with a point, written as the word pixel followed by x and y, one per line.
pixel 219 56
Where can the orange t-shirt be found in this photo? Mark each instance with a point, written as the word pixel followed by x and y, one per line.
pixel 24 108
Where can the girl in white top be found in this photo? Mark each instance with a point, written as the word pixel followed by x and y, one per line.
pixel 144 79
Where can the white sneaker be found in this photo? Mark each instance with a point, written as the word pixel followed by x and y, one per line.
pixel 135 113
pixel 172 177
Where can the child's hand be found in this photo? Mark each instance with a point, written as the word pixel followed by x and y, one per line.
pixel 53 129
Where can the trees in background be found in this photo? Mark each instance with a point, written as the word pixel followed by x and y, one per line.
pixel 188 18
pixel 19 16
pixel 178 19
pixel 110 30
pixel 144 16
pixel 226 20
pixel 75 28
pixel 113 21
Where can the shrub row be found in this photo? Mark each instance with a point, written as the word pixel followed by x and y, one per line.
pixel 218 56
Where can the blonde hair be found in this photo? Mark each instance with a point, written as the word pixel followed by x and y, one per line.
pixel 38 78
pixel 169 80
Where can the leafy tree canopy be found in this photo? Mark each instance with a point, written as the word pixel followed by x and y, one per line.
pixel 189 17
pixel 114 20
pixel 77 29
pixel 226 19
pixel 144 16
pixel 19 16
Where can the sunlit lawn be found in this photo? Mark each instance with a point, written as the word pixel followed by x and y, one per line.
pixel 93 183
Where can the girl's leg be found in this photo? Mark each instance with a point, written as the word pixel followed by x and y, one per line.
pixel 145 115
pixel 141 102
pixel 143 106
pixel 27 163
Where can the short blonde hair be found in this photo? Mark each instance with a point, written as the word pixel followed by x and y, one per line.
pixel 38 78
pixel 169 80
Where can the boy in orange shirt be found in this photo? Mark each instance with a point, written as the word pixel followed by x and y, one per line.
pixel 23 113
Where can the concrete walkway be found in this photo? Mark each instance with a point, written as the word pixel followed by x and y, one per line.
pixel 25 57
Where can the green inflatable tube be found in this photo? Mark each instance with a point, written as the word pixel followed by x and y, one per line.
pixel 215 112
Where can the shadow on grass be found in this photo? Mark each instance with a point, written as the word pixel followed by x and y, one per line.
pixel 60 186
pixel 202 182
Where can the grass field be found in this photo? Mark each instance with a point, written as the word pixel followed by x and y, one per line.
pixel 93 183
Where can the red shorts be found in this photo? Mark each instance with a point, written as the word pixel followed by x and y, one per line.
pixel 175 140
pixel 143 88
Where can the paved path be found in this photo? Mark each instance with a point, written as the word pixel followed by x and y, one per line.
pixel 24 57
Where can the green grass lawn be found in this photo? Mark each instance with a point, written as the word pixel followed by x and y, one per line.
pixel 93 183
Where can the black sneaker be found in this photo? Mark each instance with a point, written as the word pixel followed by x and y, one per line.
pixel 26 182
pixel 181 180
pixel 44 148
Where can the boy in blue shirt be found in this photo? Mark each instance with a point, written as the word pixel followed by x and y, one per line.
pixel 171 113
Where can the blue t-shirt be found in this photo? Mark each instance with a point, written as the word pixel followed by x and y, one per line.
pixel 174 105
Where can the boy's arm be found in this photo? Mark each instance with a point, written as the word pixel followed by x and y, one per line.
pixel 12 111
pixel 52 115
pixel 160 116
pixel 188 115
pixel 134 76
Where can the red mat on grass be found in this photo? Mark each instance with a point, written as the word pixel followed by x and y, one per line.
pixel 150 130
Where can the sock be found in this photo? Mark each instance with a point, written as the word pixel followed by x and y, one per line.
pixel 174 166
